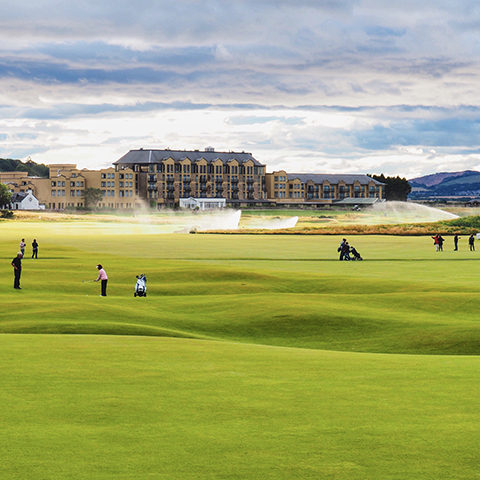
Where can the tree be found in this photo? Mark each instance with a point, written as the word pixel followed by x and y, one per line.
pixel 5 195
pixel 93 196
pixel 32 168
pixel 396 188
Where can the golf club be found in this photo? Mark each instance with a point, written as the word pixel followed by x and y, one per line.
pixel 87 281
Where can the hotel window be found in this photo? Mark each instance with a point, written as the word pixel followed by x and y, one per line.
pixel 54 193
pixel 54 184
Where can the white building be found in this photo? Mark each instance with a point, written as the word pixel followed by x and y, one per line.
pixel 203 203
pixel 25 201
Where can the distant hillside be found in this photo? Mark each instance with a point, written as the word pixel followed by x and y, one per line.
pixel 446 184
pixel 33 169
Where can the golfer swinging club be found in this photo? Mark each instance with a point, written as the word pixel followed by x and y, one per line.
pixel 102 275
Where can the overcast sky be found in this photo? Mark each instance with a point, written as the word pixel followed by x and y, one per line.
pixel 325 86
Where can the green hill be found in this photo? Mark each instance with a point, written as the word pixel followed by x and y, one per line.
pixel 466 184
pixel 251 356
pixel 32 168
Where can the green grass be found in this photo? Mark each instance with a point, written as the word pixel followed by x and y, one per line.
pixel 252 357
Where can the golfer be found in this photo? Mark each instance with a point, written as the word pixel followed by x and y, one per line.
pixel 17 265
pixel 22 246
pixel 34 248
pixel 102 275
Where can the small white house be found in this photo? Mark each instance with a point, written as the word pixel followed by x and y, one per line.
pixel 25 201
pixel 203 203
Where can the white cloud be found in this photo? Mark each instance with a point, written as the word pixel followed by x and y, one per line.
pixel 385 88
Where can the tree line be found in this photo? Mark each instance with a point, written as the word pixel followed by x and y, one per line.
pixel 396 188
pixel 33 169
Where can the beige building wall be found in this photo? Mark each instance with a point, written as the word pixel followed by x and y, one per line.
pixel 167 181
pixel 281 189
pixel 66 186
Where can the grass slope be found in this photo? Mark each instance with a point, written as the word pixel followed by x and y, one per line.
pixel 285 291
pixel 106 407
pixel 306 376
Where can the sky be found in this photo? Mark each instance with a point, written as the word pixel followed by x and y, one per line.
pixel 327 86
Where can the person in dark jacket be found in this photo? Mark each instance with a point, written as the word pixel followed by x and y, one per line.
pixel 455 242
pixel 440 242
pixel 471 242
pixel 346 251
pixel 17 265
pixel 34 249
pixel 340 248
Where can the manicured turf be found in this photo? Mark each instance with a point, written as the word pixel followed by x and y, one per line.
pixel 287 363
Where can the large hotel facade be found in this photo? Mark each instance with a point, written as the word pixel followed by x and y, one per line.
pixel 163 177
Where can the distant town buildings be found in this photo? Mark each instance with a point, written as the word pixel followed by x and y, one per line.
pixel 172 178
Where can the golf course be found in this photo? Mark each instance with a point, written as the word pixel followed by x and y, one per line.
pixel 251 357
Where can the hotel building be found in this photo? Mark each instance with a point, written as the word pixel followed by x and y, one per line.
pixel 66 184
pixel 162 177
pixel 321 189
pixel 165 176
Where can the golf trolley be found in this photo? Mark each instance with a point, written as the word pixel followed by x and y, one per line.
pixel 141 286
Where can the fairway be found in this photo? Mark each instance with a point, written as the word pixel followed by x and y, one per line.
pixel 252 357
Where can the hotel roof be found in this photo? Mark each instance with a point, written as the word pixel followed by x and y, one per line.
pixel 146 157
pixel 332 178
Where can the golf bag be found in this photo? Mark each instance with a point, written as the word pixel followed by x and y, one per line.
pixel 141 286
pixel 356 255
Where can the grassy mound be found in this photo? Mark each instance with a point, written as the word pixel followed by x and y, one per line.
pixel 254 356
pixel 273 290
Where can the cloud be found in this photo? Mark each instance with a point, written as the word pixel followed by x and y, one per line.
pixel 332 84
